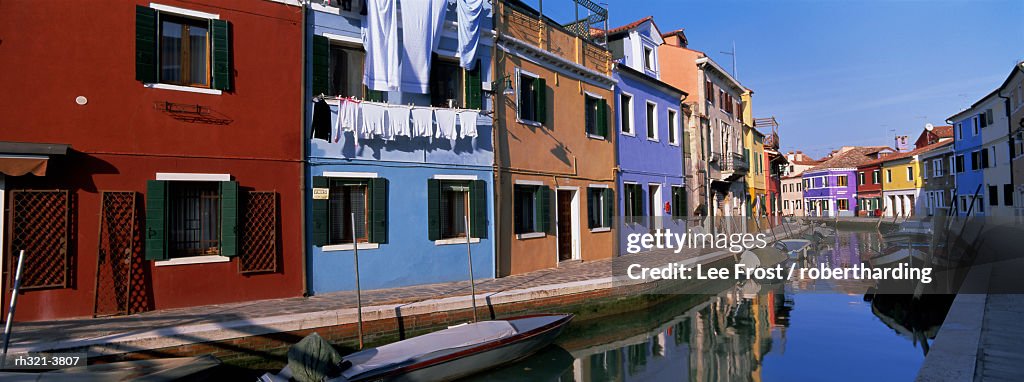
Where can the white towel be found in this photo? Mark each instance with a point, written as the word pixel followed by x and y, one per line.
pixel 467 119
pixel 373 119
pixel 380 39
pixel 398 116
pixel 422 122
pixel 336 126
pixel 445 123
pixel 469 30
pixel 350 118
pixel 420 35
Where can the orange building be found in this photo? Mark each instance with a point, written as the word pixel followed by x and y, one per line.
pixel 554 147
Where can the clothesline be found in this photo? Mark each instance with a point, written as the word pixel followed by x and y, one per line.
pixel 368 119
pixel 385 104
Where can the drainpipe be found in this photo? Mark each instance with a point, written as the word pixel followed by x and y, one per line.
pixel 613 137
pixel 304 94
pixel 498 9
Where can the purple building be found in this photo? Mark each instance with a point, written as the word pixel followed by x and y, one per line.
pixel 650 121
pixel 830 188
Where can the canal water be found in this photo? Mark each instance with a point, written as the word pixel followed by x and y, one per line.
pixel 809 331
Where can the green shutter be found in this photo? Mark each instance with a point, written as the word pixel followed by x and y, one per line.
pixel 474 87
pixel 229 227
pixel 145 44
pixel 378 210
pixel 542 100
pixel 374 95
pixel 433 209
pixel 320 214
pixel 609 206
pixel 321 54
pixel 686 141
pixel 220 45
pixel 592 220
pixel 602 118
pixel 543 207
pixel 478 207
pixel 156 205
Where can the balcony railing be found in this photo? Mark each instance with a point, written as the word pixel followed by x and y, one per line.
pixel 736 162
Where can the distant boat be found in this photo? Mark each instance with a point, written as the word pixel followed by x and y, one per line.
pixel 449 354
pixel 151 370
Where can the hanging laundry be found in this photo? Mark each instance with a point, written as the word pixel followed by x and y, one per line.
pixel 470 12
pixel 467 120
pixel 373 119
pixel 380 39
pixel 445 123
pixel 422 122
pixel 420 35
pixel 336 125
pixel 349 115
pixel 398 116
pixel 321 124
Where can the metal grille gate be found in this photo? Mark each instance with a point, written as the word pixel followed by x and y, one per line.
pixel 259 236
pixel 118 255
pixel 39 226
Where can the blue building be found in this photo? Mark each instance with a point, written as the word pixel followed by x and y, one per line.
pixel 969 160
pixel 649 146
pixel 415 194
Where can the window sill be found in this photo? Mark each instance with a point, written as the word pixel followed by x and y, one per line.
pixel 189 89
pixel 531 235
pixel 595 136
pixel 348 247
pixel 653 139
pixel 629 134
pixel 192 260
pixel 457 240
pixel 601 229
pixel 528 122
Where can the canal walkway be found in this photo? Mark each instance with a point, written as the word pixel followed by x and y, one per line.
pixel 230 330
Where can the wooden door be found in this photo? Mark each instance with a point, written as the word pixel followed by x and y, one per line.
pixel 565 230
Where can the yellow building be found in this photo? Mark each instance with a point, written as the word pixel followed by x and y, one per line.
pixel 753 153
pixel 901 184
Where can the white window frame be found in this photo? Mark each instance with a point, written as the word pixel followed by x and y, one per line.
pixel 910 173
pixel 936 167
pixel 349 246
pixel 976 125
pixel 652 123
pixel 192 177
pixel 632 119
pixel 888 175
pixel 519 87
pixel 673 126
pixel 589 134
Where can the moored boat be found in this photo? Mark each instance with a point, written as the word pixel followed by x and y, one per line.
pixel 450 353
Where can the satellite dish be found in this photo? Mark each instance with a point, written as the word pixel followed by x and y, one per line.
pixel 928 127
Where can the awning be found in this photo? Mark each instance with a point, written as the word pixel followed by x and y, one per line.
pixel 18 165
pixel 22 158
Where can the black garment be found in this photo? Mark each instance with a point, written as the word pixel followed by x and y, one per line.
pixel 322 120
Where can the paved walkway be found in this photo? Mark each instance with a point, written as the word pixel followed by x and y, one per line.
pixel 43 335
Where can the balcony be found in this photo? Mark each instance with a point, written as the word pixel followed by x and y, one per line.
pixel 733 166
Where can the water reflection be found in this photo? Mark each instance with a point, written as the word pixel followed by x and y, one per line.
pixel 752 332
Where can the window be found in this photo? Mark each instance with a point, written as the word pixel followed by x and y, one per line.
pixel 974 124
pixel 876 177
pixel 960 163
pixel 184 51
pixel 1007 194
pixel 960 130
pixel 348 197
pixel 993 195
pixel 709 91
pixel 626 113
pixel 937 167
pixel 336 199
pixel 842 181
pixel 532 98
pixel 531 208
pixel 649 58
pixel 963 203
pixel 843 204
pixel 450 203
pixel 984 158
pixel 975 160
pixel 652 121
pixel 445 83
pixel 888 176
pixel 193 219
pixel 345 71
pixel 910 173
pixel 673 128
pixel 600 207
pixel 785 204
pixel 807 183
pixel 993 151
pixel 860 178
pixel 981 204
pixel 595 116
pixel 634 203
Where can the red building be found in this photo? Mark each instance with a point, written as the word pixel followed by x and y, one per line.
pixel 151 154
pixel 869 188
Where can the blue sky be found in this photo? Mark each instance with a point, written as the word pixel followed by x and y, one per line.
pixel 840 73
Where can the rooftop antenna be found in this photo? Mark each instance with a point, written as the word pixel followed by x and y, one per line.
pixel 733 54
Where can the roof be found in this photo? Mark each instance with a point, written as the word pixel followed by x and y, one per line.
pixel 850 158
pixel 624 28
pixel 917 151
pixel 943 131
pixel 644 77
